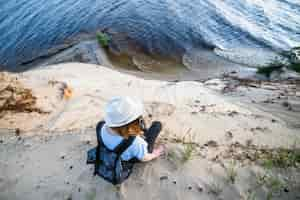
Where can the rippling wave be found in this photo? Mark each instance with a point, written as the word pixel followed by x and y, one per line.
pixel 30 27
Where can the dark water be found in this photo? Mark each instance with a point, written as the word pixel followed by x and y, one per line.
pixel 30 27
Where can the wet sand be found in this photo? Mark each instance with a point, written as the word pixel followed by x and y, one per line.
pixel 200 66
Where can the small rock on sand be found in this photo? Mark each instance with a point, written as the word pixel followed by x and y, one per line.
pixel 86 139
pixel 62 155
pixel 18 132
pixel 211 143
pixel 232 113
pixel 294 105
pixel 164 178
pixel 229 135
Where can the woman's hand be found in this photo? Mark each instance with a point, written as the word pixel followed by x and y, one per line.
pixel 160 150
pixel 155 154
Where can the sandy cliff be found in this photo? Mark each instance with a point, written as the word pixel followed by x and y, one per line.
pixel 210 137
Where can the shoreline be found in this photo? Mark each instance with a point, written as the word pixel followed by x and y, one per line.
pixel 126 55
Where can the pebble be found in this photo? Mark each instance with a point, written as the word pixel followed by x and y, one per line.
pixel 249 142
pixel 18 132
pixel 190 187
pixel 232 113
pixel 229 134
pixel 164 178
pixel 294 105
pixel 202 109
pixel 71 167
pixel 174 182
pixel 285 104
pixel 211 143
pixel 86 139
pixel 27 144
pixel 62 155
pixel 69 197
pixel 200 189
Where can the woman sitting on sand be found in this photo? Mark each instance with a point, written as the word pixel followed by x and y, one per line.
pixel 124 126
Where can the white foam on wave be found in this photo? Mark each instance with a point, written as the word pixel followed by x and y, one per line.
pixel 251 57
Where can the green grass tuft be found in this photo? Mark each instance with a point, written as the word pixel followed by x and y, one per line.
pixel 292 54
pixel 188 150
pixel 103 39
pixel 269 68
pixel 215 188
pixel 251 196
pixel 277 65
pixel 272 183
pixel 295 67
pixel 231 172
pixel 283 158
pixel 296 48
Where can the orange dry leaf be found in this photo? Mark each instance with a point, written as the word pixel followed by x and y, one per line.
pixel 68 92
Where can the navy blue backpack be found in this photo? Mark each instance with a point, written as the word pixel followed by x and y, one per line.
pixel 108 163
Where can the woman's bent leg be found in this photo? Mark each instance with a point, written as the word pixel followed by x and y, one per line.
pixel 151 134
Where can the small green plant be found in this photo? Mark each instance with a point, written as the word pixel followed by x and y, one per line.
pixel 268 163
pixel 293 63
pixel 275 185
pixel 269 68
pixel 294 55
pixel 103 39
pixel 188 150
pixel 91 195
pixel 282 158
pixel 272 183
pixel 296 48
pixel 215 189
pixel 295 67
pixel 171 155
pixel 231 172
pixel 250 195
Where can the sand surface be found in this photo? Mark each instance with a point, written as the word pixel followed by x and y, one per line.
pixel 213 131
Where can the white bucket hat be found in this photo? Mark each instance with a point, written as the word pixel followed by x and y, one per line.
pixel 120 111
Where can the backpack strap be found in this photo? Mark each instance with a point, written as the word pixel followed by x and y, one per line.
pixel 98 132
pixel 124 145
pixel 119 150
pixel 100 143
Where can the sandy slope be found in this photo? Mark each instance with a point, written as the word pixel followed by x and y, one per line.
pixel 193 115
